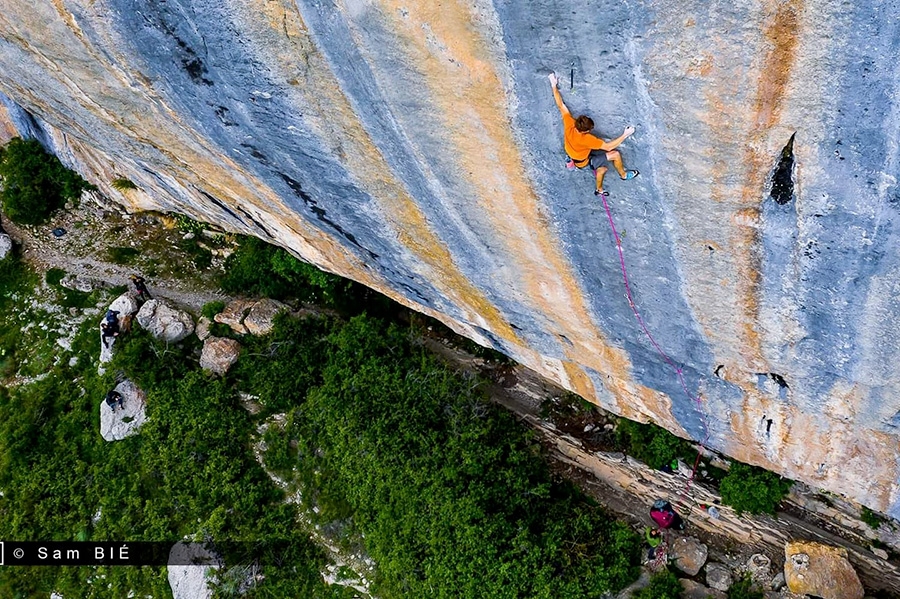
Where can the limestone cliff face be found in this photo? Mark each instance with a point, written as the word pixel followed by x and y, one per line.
pixel 415 147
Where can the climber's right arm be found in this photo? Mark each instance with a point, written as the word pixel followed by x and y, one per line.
pixel 554 80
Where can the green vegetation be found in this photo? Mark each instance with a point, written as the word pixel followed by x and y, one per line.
pixel 68 298
pixel 653 445
pixel 258 268
pixel 663 585
pixel 750 489
pixel 873 519
pixel 405 460
pixel 122 255
pixel 188 225
pixel 123 184
pixel 210 309
pixel 187 474
pixel 744 589
pixel 446 491
pixel 35 182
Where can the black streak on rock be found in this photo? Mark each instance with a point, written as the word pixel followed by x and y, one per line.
pixel 321 214
pixel 221 205
pixel 783 177
pixel 779 380
pixel 256 223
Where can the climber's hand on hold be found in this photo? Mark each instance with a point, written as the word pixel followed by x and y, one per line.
pixel 554 80
pixel 629 131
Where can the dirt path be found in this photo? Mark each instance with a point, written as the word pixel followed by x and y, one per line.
pixel 89 231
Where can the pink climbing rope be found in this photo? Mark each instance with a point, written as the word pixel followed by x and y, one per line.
pixel 678 370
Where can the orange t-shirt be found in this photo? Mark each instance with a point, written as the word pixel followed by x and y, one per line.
pixel 579 145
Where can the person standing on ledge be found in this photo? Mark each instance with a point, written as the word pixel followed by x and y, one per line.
pixel 583 148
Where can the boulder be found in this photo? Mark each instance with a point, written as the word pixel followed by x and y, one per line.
pixel 203 326
pixel 125 304
pixel 759 566
pixel 689 555
pixel 777 582
pixel 260 320
pixel 234 313
pixel 191 581
pixel 164 321
pixel 718 576
pixel 822 570
pixel 125 421
pixel 219 354
pixel 80 283
pixel 6 245
pixel 695 590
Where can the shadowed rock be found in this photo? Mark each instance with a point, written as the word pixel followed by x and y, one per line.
pixel 261 318
pixel 689 555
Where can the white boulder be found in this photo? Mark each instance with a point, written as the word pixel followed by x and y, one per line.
pixel 164 321
pixel 124 421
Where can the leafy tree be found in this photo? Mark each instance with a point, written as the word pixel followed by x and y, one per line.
pixel 259 268
pixel 750 489
pixel 663 585
pixel 35 182
pixel 653 445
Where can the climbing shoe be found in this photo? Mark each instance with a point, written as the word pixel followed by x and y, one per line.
pixel 630 175
pixel 570 164
pixel 601 192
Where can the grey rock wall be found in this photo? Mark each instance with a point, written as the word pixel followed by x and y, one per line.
pixel 415 147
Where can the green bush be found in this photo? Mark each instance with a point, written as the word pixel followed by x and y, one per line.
pixel 123 184
pixel 35 182
pixel 871 518
pixel 258 268
pixel 122 255
pixel 210 309
pixel 651 444
pixel 744 589
pixel 750 489
pixel 663 585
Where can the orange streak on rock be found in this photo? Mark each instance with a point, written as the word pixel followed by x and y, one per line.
pixel 346 135
pixel 456 63
pixel 782 35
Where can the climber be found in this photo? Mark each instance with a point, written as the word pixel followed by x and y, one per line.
pixel 664 515
pixel 653 537
pixel 583 148
pixel 141 287
pixel 113 399
pixel 109 328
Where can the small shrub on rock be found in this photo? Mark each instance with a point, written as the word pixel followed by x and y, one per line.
pixel 744 589
pixel 210 309
pixel 750 489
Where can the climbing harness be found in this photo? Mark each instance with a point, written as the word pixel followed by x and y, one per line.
pixel 678 370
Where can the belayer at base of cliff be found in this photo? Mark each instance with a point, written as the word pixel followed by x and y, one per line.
pixel 583 148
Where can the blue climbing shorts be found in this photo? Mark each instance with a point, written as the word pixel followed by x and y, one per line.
pixel 597 159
